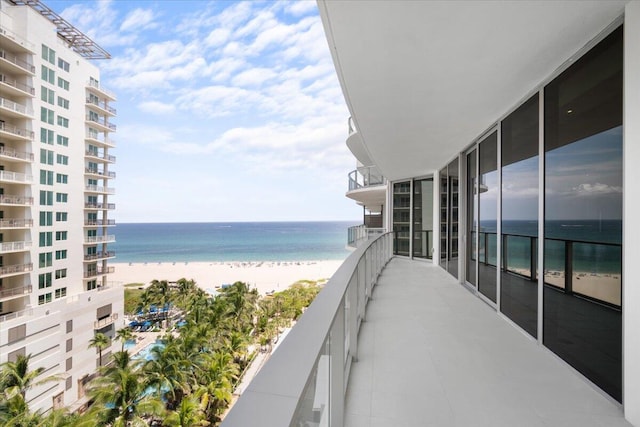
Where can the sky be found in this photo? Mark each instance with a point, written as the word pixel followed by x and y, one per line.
pixel 227 111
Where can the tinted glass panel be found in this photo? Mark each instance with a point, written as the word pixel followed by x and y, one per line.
pixel 444 217
pixel 401 217
pixel 452 264
pixel 583 215
pixel 488 214
pixel 472 218
pixel 423 218
pixel 518 280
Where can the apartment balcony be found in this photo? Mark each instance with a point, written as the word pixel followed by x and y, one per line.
pixel 99 324
pixel 94 155
pixel 359 234
pixel 15 315
pixel 98 139
pixel 17 292
pixel 15 223
pixel 14 270
pixel 99 206
pixel 367 186
pixel 100 222
pixel 101 123
pixel 15 133
pixel 14 109
pixel 100 190
pixel 11 86
pixel 99 173
pixel 98 272
pixel 13 63
pixel 100 256
pixel 14 155
pixel 424 351
pixel 102 106
pixel 15 42
pixel 15 177
pixel 95 87
pixel 15 200
pixel 10 247
pixel 88 240
pixel 356 145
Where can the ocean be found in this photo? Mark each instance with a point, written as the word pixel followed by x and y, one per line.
pixel 231 241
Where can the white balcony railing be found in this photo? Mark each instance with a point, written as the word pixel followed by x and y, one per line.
pixel 15 200
pixel 18 85
pixel 9 176
pixel 16 268
pixel 23 133
pixel 365 177
pixel 358 234
pixel 20 155
pixel 14 246
pixel 15 315
pixel 100 189
pixel 10 57
pixel 12 292
pixel 96 85
pixel 105 322
pixel 304 381
pixel 110 238
pixel 14 106
pixel 103 105
pixel 16 223
pixel 102 121
pixel 16 38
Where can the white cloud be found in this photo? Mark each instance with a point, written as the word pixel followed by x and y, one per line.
pixel 253 77
pixel 156 107
pixel 217 37
pixel 300 7
pixel 138 19
pixel 597 188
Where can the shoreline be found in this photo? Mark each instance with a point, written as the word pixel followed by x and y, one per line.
pixel 265 276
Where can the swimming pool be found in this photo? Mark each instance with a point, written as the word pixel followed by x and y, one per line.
pixel 146 351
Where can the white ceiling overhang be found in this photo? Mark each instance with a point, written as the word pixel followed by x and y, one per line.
pixel 423 79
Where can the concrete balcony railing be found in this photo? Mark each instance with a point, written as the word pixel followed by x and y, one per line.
pixel 100 239
pixel 14 130
pixel 15 292
pixel 103 105
pixel 8 176
pixel 304 381
pixel 10 57
pixel 15 315
pixel 358 234
pixel 14 106
pixel 16 223
pixel 99 222
pixel 6 247
pixel 365 177
pixel 15 200
pixel 91 205
pixel 102 121
pixel 100 255
pixel 100 189
pixel 19 155
pixel 16 268
pixel 17 85
pixel 98 324
pixel 103 173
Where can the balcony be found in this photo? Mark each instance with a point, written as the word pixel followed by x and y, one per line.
pixel 99 206
pixel 14 87
pixel 98 272
pixel 102 123
pixel 13 109
pixel 8 247
pixel 95 87
pixel 100 173
pixel 100 256
pixel 16 223
pixel 102 106
pixel 365 177
pixel 88 240
pixel 101 323
pixel 99 222
pixel 12 270
pixel 15 40
pixel 12 154
pixel 16 64
pixel 99 189
pixel 17 177
pixel 429 353
pixel 367 186
pixel 359 234
pixel 96 138
pixel 100 156
pixel 15 200
pixel 15 315
pixel 15 133
pixel 6 294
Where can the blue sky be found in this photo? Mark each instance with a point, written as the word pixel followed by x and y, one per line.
pixel 227 111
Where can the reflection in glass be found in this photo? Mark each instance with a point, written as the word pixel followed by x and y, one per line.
pixel 518 278
pixel 422 218
pixel 472 219
pixel 488 215
pixel 453 188
pixel 444 216
pixel 401 217
pixel 583 215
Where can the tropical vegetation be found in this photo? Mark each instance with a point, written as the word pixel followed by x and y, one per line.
pixel 189 378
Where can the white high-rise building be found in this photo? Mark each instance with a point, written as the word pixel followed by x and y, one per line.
pixel 55 183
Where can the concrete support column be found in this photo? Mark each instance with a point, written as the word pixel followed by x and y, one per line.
pixel 631 231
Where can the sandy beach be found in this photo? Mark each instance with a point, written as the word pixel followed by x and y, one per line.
pixel 265 276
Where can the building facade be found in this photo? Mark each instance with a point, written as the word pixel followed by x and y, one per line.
pixel 55 182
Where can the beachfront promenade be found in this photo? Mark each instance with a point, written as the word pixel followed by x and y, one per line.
pixel 431 353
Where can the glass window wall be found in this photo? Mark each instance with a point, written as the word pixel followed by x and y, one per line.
pixel 423 218
pixel 488 215
pixel 401 217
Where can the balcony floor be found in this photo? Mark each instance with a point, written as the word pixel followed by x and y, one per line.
pixel 433 354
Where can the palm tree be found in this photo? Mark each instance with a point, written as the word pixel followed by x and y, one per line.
pixel 124 335
pixel 218 374
pixel 99 341
pixel 167 373
pixel 188 414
